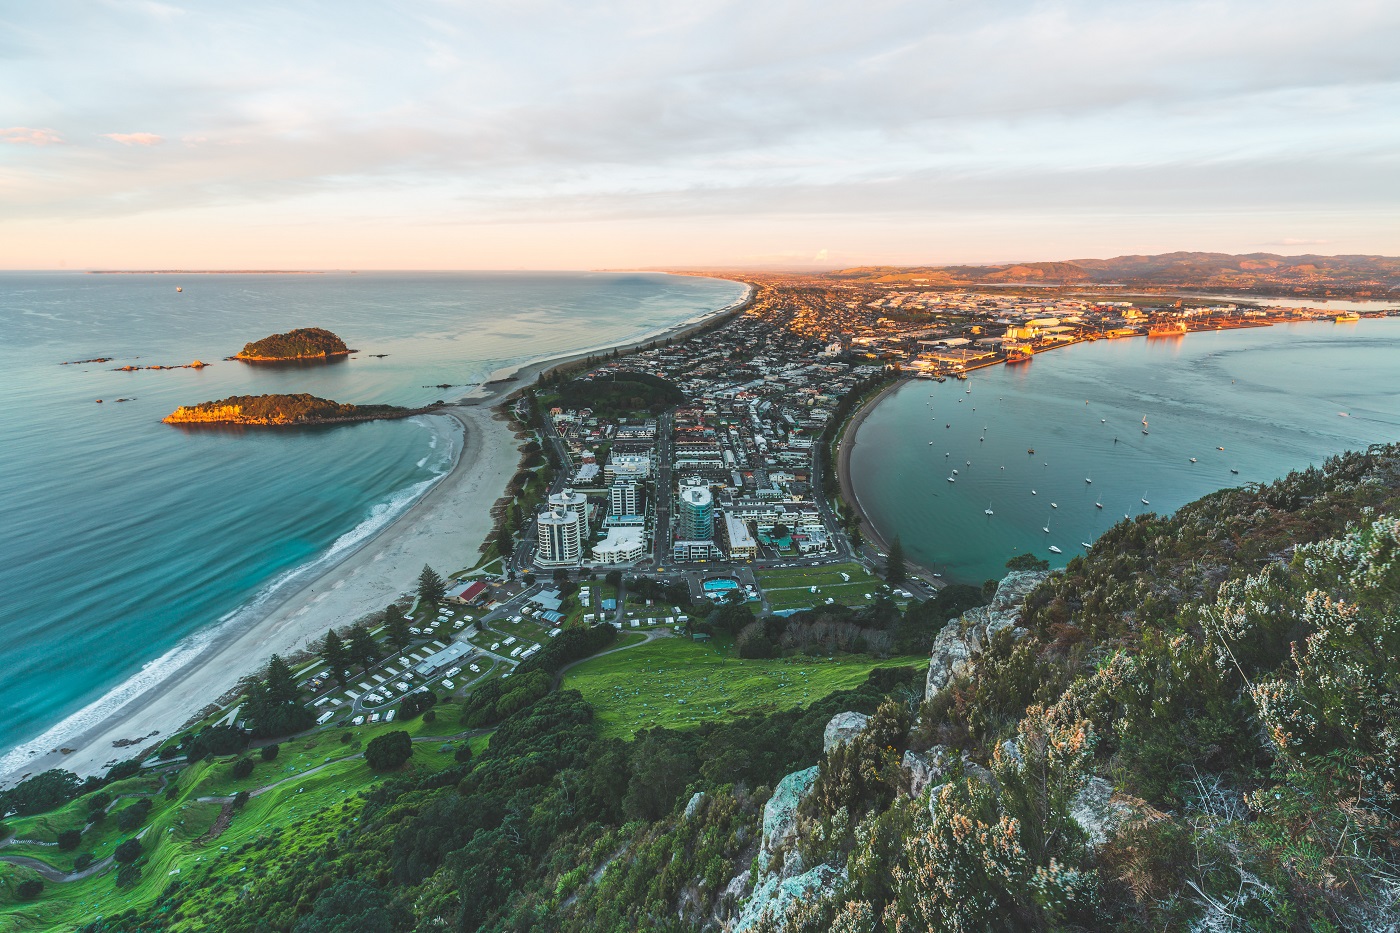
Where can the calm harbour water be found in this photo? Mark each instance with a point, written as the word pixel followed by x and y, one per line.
pixel 125 538
pixel 1277 399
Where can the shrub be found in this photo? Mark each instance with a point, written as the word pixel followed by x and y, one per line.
pixel 128 875
pixel 83 860
pixel 463 753
pixel 270 752
pixel 134 815
pixel 70 839
pixel 123 769
pixel 388 751
pixel 242 768
pixel 30 888
pixel 430 716
pixel 240 800
pixel 128 851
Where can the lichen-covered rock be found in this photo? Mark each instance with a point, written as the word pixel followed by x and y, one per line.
pixel 1097 812
pixel 965 637
pixel 843 728
pixel 697 800
pixel 775 896
pixel 780 813
pixel 926 768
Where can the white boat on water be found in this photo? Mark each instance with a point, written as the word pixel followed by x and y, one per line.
pixel 988 509
pixel 952 479
pixel 1055 550
pixel 1098 505
pixel 1088 481
pixel 1086 545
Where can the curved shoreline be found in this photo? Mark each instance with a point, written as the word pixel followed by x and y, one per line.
pixel 444 526
pixel 846 442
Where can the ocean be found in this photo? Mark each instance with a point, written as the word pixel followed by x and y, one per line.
pixel 125 541
pixel 1276 399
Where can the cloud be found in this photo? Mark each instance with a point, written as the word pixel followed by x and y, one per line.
pixel 29 136
pixel 135 139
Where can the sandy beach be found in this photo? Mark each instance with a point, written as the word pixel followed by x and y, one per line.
pixel 444 528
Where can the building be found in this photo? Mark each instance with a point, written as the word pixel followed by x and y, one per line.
pixel 742 545
pixel 625 498
pixel 571 500
pixel 470 593
pixel 560 538
pixel 695 519
pixel 684 550
pixel 621 546
pixel 635 467
pixel 453 653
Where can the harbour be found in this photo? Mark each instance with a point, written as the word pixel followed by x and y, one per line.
pixel 1153 423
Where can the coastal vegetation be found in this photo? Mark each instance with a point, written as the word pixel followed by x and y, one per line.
pixel 1190 727
pixel 304 343
pixel 617 394
pixel 282 410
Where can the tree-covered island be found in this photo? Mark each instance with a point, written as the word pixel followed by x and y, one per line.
pixel 283 410
pixel 304 343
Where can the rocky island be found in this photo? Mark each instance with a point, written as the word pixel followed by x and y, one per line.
pixel 283 411
pixel 304 343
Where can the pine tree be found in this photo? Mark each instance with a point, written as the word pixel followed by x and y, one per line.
pixel 431 588
pixel 396 627
pixel 505 542
pixel 896 572
pixel 363 650
pixel 281 685
pixel 333 653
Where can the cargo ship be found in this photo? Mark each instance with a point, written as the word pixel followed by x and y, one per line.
pixel 1167 329
pixel 1347 317
pixel 1017 354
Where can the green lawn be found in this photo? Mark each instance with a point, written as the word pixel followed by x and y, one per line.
pixel 678 683
pixel 802 597
pixel 815 576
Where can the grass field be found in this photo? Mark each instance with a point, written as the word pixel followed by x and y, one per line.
pixel 815 576
pixel 792 588
pixel 678 683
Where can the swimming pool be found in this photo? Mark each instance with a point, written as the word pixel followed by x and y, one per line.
pixel 720 585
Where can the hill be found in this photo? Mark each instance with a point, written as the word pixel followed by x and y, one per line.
pixel 1194 726
pixel 1262 273
pixel 282 410
pixel 305 343
pixel 619 394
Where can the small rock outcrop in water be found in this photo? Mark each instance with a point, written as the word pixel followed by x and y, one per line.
pixel 967 636
pixel 282 410
pixel 304 343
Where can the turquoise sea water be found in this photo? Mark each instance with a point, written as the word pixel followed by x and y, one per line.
pixel 124 538
pixel 1277 399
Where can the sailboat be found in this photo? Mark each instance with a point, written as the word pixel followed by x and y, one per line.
pixel 1086 545
pixel 1033 492
pixel 955 472
pixel 1088 481
pixel 1055 550
pixel 988 509
pixel 1054 505
pixel 1098 505
pixel 1193 459
pixel 1144 499
pixel 1046 529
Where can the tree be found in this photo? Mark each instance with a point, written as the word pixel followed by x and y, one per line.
pixel 333 653
pixel 134 815
pixel 242 768
pixel 363 649
pixel 396 627
pixel 388 751
pixel 70 839
pixel 240 800
pixel 128 851
pixel 463 754
pixel 780 531
pixel 352 906
pixel 128 875
pixel 614 578
pixel 123 769
pixel 505 541
pixel 431 588
pixel 1027 562
pixel 896 572
pixel 269 752
pixel 281 684
pixel 753 642
pixel 30 888
pixel 42 792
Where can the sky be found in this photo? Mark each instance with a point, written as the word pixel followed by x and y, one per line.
pixel 528 134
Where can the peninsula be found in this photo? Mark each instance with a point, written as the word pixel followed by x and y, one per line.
pixel 304 343
pixel 283 411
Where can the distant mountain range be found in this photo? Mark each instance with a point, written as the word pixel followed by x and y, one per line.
pixel 1263 273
